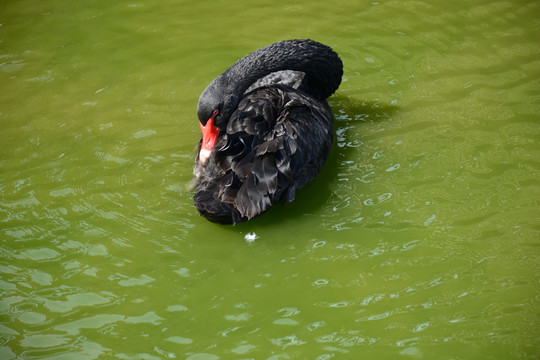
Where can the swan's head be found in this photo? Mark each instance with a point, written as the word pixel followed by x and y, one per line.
pixel 214 110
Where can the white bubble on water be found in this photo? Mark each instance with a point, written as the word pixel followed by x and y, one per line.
pixel 251 237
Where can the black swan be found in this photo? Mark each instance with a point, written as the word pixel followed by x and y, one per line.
pixel 266 128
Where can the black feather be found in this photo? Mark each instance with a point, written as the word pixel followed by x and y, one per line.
pixel 265 174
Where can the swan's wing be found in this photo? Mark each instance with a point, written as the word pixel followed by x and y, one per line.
pixel 277 141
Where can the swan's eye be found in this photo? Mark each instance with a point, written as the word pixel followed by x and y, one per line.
pixel 214 114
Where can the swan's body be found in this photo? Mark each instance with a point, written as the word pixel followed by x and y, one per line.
pixel 267 129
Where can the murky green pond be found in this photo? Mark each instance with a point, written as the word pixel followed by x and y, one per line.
pixel 420 239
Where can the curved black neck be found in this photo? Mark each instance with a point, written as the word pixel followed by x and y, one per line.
pixel 322 66
pixel 320 63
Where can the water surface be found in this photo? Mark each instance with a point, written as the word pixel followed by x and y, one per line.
pixel 420 239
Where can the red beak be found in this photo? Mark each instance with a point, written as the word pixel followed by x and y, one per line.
pixel 209 136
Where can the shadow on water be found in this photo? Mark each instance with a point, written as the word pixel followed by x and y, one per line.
pixel 348 112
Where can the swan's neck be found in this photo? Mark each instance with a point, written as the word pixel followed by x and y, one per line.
pixel 320 64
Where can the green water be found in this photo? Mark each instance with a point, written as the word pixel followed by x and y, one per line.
pixel 420 239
